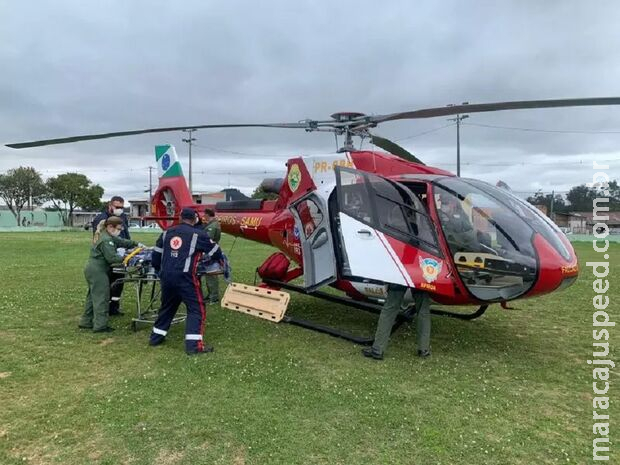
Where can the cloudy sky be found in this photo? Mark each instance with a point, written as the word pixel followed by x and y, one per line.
pixel 74 67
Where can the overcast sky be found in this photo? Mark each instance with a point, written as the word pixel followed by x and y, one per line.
pixel 74 67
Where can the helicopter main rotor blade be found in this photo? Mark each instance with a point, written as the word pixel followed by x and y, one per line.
pixel 394 148
pixel 498 106
pixel 66 140
pixel 356 123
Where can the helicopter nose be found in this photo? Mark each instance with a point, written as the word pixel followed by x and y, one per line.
pixel 555 271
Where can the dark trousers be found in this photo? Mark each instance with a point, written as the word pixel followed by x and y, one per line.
pixel 174 291
pixel 115 292
pixel 392 308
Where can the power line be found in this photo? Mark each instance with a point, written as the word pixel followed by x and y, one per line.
pixel 474 164
pixel 425 132
pixel 559 131
pixel 526 163
pixel 233 152
pixel 271 155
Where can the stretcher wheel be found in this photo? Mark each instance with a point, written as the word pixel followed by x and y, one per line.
pixel 134 326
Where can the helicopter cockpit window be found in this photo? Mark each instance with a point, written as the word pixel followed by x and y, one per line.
pixel 388 207
pixel 539 222
pixel 310 216
pixel 399 212
pixel 490 242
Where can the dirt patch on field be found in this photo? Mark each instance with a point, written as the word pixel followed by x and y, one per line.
pixel 35 455
pixel 106 341
pixel 239 458
pixel 4 374
pixel 166 457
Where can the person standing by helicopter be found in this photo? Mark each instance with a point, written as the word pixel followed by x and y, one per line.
pixel 115 207
pixel 213 229
pixel 176 256
pixel 97 272
pixel 391 308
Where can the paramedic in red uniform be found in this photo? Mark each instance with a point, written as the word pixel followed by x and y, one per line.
pixel 175 256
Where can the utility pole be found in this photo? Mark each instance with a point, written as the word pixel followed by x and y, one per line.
pixel 458 120
pixel 189 140
pixel 551 214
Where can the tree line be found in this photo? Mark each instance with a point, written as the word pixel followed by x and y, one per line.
pixel 578 199
pixel 24 186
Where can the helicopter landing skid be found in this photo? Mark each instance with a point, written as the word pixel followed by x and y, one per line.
pixel 376 309
pixel 462 316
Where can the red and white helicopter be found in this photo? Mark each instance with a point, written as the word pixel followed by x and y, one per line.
pixel 358 220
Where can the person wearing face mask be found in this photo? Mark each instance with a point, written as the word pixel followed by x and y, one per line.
pixel 102 258
pixel 115 208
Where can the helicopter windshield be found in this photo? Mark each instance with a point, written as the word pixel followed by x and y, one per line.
pixel 489 233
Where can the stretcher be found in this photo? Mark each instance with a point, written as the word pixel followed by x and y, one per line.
pixel 137 270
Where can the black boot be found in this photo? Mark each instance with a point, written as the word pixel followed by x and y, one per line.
pixel 206 349
pixel 107 329
pixel 371 352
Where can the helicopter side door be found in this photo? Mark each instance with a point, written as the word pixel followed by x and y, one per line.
pixel 377 220
pixel 314 233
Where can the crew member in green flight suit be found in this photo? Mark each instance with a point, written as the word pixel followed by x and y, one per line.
pixel 102 256
pixel 214 230
pixel 390 311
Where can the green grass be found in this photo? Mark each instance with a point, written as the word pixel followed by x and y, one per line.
pixel 512 387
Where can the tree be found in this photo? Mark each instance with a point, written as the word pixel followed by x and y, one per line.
pixel 20 186
pixel 614 195
pixel 259 193
pixel 559 205
pixel 70 190
pixel 582 197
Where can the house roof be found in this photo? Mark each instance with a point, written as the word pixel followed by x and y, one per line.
pixel 235 194
pixel 614 217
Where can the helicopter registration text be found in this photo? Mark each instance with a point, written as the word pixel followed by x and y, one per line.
pixel 325 166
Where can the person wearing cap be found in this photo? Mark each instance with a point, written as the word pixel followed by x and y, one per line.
pixel 176 255
pixel 213 229
pixel 103 256
pixel 115 207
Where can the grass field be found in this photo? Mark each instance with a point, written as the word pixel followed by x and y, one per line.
pixel 512 387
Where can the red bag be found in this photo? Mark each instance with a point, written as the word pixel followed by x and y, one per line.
pixel 275 267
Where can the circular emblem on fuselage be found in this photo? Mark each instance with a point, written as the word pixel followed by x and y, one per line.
pixel 176 242
pixel 430 268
